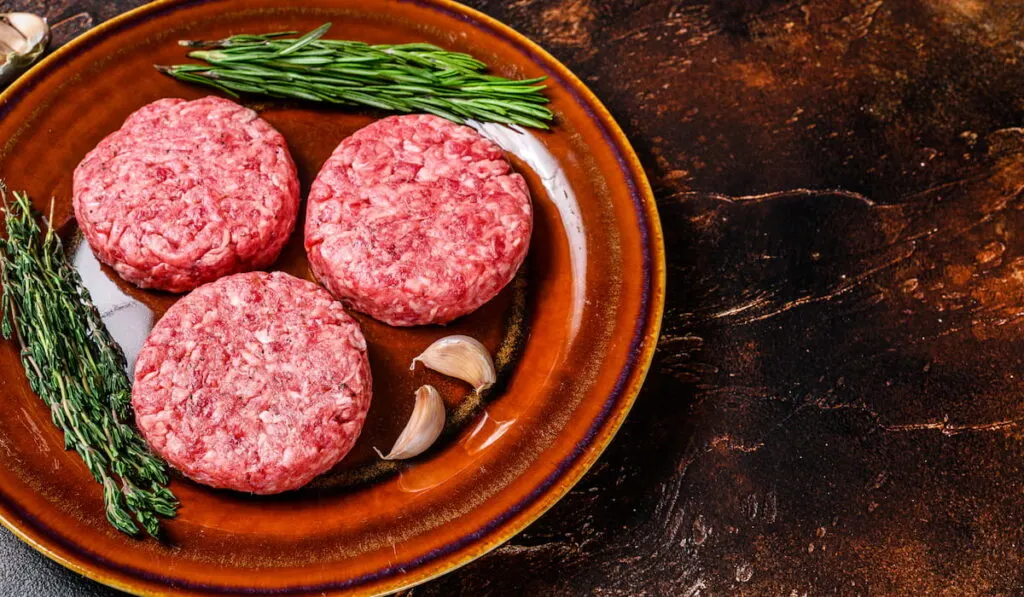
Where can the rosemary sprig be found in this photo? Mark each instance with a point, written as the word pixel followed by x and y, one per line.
pixel 401 78
pixel 77 369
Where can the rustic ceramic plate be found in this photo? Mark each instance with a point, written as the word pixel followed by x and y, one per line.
pixel 574 333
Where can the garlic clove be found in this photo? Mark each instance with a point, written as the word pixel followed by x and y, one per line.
pixel 461 357
pixel 423 428
pixel 23 39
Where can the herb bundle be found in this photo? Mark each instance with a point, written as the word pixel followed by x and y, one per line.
pixel 401 78
pixel 77 369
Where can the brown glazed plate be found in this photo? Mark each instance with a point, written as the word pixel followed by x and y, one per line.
pixel 573 334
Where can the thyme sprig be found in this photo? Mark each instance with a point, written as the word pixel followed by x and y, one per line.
pixel 77 369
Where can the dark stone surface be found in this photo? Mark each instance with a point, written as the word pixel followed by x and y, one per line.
pixel 836 404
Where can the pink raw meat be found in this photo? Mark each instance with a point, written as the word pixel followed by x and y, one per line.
pixel 416 220
pixel 257 382
pixel 186 192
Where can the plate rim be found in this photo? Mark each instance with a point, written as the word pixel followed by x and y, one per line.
pixel 641 353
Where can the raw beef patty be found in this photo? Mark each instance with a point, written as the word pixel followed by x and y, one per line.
pixel 187 192
pixel 257 382
pixel 416 220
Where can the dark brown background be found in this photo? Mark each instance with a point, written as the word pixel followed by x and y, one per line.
pixel 836 404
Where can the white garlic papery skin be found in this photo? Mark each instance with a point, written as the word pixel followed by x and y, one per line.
pixel 423 428
pixel 461 357
pixel 23 39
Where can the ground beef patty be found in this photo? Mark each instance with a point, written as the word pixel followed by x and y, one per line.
pixel 187 192
pixel 416 220
pixel 257 382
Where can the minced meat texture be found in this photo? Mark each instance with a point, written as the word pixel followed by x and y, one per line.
pixel 257 382
pixel 186 192
pixel 416 220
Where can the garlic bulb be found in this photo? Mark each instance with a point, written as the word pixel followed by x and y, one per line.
pixel 23 39
pixel 423 428
pixel 461 357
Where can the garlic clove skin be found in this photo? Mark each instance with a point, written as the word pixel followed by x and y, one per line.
pixel 461 357
pixel 423 428
pixel 23 39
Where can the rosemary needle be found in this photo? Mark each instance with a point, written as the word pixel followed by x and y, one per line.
pixel 399 78
pixel 77 369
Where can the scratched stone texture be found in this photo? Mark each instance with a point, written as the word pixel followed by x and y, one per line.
pixel 837 402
